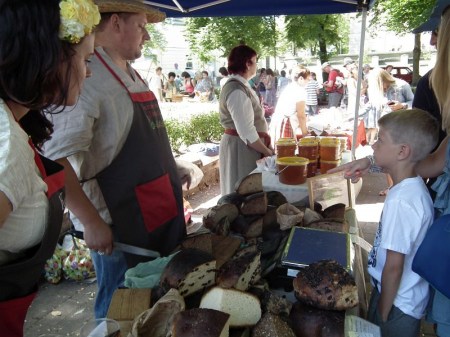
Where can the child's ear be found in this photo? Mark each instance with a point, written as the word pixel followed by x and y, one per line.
pixel 404 152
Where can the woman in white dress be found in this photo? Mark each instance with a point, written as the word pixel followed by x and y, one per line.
pixel 290 109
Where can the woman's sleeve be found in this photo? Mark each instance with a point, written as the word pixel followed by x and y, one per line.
pixel 241 110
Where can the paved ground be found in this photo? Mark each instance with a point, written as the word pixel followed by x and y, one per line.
pixel 65 307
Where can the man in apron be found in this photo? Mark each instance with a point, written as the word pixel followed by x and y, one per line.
pixel 122 182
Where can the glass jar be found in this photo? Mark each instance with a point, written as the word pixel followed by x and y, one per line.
pixel 286 147
pixel 330 148
pixel 308 148
pixel 292 170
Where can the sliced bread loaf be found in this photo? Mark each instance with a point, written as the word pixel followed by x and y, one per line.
pixel 244 308
pixel 239 273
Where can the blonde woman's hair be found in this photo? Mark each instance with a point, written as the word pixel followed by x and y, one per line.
pixel 440 75
pixel 377 78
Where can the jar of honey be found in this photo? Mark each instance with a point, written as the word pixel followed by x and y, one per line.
pixel 285 147
pixel 326 165
pixel 308 148
pixel 330 148
pixel 311 168
pixel 292 170
pixel 343 141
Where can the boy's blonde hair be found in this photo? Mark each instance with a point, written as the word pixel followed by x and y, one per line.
pixel 414 127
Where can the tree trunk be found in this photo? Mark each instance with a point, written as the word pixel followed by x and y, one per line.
pixel 416 59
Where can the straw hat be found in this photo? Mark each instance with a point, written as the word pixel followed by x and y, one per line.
pixel 130 6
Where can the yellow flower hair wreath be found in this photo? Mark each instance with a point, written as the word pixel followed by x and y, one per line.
pixel 78 18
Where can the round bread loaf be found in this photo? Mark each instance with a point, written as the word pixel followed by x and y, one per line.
pixel 312 322
pixel 326 285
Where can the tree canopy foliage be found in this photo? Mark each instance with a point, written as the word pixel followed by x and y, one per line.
pixel 266 35
pixel 317 33
pixel 401 16
pixel 322 35
pixel 206 35
pixel 156 42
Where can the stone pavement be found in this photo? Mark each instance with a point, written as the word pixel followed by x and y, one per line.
pixel 63 308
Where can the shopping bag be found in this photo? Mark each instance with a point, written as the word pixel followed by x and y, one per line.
pixel 78 264
pixel 432 260
pixel 53 267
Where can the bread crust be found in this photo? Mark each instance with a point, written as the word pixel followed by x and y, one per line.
pixel 326 285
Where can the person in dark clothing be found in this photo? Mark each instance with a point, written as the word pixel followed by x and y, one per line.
pixel 424 97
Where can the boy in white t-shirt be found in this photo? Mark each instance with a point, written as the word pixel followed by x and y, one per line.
pixel 400 296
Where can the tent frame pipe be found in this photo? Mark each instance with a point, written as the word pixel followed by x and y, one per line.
pixel 358 85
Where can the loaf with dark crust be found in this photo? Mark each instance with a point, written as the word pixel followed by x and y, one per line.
pixel 250 184
pixel 213 220
pixel 201 322
pixel 189 271
pixel 272 326
pixel 312 322
pixel 239 273
pixel 326 285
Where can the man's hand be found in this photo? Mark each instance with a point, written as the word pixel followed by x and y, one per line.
pixel 353 170
pixel 99 237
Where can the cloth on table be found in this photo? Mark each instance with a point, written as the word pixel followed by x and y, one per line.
pixel 146 274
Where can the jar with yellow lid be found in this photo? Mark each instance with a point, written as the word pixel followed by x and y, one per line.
pixel 308 148
pixel 330 148
pixel 326 165
pixel 292 170
pixel 285 147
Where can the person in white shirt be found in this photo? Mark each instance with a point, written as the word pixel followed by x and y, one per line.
pixel 156 84
pixel 290 110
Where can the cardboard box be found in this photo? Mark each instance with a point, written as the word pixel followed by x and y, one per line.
pixel 126 304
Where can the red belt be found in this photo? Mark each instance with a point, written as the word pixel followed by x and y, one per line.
pixel 264 135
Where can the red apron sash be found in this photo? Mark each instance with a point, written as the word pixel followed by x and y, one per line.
pixel 264 135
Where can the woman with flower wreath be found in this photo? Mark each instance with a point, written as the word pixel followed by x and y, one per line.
pixel 44 50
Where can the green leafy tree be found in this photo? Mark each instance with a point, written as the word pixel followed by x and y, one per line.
pixel 207 35
pixel 323 35
pixel 156 42
pixel 402 16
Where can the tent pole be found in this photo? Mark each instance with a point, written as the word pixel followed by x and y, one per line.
pixel 358 85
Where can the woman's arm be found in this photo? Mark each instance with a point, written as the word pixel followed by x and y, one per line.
pixel 97 233
pixel 261 148
pixel 300 108
pixel 5 208
pixel 433 165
